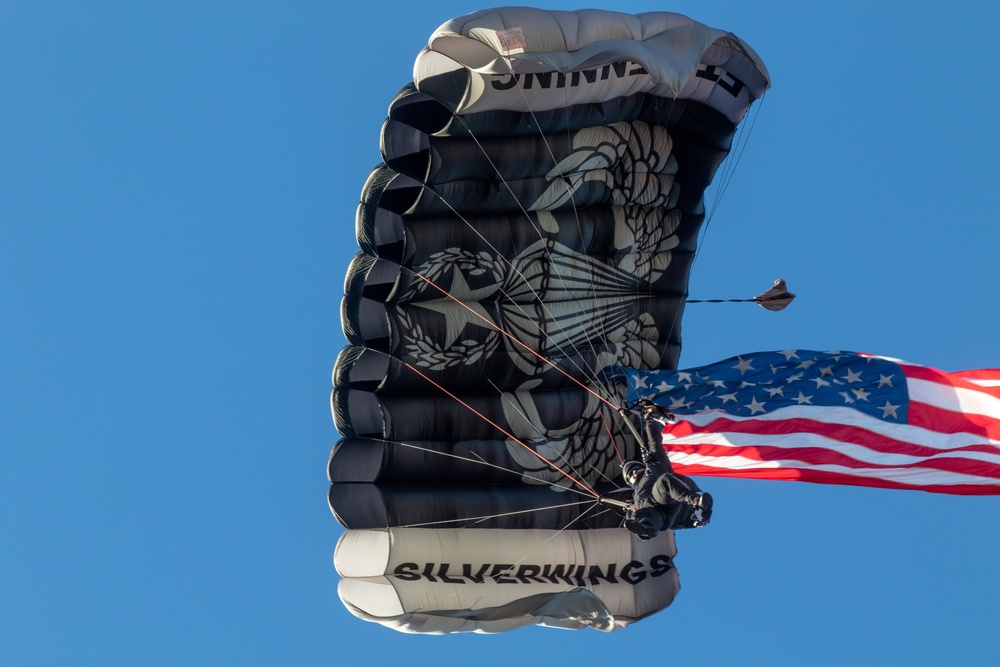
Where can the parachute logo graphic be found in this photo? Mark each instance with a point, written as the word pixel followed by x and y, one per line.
pixel 572 447
pixel 632 159
pixel 544 267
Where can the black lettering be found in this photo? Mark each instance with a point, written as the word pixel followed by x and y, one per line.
pixel 726 81
pixel 556 574
pixel 529 574
pixel 710 73
pixel 633 572
pixel 501 569
pixel 544 79
pixel 733 87
pixel 443 574
pixel 476 578
pixel 660 565
pixel 609 576
pixel 403 572
pixel 508 84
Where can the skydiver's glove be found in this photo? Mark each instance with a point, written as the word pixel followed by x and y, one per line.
pixel 651 410
pixel 647 522
pixel 643 528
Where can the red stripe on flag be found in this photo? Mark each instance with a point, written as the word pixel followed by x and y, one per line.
pixel 946 422
pixel 817 456
pixel 823 477
pixel 877 442
pixel 962 379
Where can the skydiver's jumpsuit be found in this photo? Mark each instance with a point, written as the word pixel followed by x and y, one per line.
pixel 662 497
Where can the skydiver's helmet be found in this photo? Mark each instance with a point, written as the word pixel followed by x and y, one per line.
pixel 632 471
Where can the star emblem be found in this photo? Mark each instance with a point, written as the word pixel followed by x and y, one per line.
pixel 852 376
pixel 744 365
pixel 889 409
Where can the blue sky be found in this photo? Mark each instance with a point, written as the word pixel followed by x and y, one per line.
pixel 177 192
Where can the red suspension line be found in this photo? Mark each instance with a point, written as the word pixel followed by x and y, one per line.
pixel 610 436
pixel 514 338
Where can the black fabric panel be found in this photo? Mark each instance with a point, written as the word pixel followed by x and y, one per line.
pixel 581 363
pixel 433 416
pixel 367 506
pixel 442 159
pixel 423 462
pixel 481 197
pixel 387 219
pixel 424 113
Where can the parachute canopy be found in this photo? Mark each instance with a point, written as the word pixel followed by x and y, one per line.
pixel 533 222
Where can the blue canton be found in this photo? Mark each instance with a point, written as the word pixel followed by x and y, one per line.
pixel 759 383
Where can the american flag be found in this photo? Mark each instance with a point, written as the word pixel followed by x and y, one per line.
pixel 833 418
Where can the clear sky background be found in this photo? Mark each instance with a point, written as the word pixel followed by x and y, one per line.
pixel 178 184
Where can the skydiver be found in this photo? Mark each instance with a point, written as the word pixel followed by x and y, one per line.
pixel 661 498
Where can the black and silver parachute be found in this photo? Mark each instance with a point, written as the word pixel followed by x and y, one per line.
pixel 534 221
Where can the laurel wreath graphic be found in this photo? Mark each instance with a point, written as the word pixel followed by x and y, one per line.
pixel 633 159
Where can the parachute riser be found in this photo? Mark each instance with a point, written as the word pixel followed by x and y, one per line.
pixel 614 503
pixel 634 430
